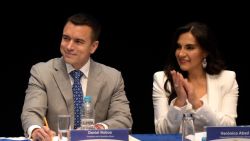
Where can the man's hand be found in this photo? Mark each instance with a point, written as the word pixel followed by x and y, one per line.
pixel 42 134
pixel 99 126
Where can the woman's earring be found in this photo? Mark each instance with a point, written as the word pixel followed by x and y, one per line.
pixel 204 63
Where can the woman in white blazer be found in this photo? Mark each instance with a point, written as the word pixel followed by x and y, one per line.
pixel 195 80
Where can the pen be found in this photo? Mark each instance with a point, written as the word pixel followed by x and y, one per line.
pixel 45 121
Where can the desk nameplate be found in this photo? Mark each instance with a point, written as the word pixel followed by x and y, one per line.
pixel 224 133
pixel 103 135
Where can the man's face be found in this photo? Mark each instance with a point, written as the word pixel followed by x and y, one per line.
pixel 77 45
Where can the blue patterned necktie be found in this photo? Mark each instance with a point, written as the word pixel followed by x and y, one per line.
pixel 78 96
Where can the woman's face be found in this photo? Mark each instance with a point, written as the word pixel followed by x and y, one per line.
pixel 189 53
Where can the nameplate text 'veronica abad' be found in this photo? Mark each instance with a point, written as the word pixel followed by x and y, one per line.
pixel 104 135
pixel 241 133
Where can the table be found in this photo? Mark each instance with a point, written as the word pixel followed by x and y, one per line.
pixel 142 137
pixel 158 137
pixel 14 139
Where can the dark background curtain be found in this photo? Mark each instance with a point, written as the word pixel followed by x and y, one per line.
pixel 135 40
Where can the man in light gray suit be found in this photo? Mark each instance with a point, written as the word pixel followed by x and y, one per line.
pixel 49 91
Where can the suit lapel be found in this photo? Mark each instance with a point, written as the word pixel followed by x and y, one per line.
pixel 213 92
pixel 63 82
pixel 94 81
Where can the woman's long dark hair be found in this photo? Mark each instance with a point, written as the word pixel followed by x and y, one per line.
pixel 206 40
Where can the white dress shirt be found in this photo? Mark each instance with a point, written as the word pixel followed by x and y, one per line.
pixel 84 78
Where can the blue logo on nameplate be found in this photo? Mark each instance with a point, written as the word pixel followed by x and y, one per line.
pixel 99 135
pixel 236 133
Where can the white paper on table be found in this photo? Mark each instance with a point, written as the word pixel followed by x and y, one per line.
pixel 197 137
pixel 131 138
pixel 200 135
pixel 55 138
pixel 15 138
